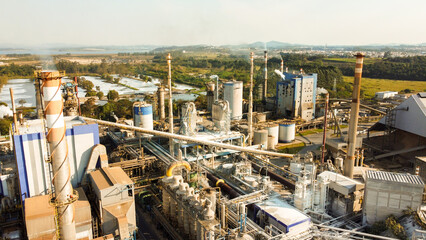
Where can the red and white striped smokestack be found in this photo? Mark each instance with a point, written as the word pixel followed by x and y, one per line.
pixel 282 66
pixel 265 85
pixel 353 122
pixel 64 195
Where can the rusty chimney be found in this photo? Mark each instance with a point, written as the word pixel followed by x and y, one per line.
pixel 353 122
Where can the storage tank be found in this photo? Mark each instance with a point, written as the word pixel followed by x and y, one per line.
pixel 261 137
pixel 142 115
pixel 259 117
pixel 233 93
pixel 273 131
pixel 287 132
pixel 210 95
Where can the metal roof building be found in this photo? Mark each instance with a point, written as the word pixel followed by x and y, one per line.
pixel 410 115
pixel 389 193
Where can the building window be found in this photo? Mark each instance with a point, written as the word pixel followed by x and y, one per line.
pixel 129 191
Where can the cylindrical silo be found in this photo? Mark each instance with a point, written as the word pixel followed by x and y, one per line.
pixel 273 131
pixel 261 137
pixel 142 115
pixel 287 132
pixel 233 93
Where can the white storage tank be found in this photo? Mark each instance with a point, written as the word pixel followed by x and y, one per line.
pixel 142 115
pixel 233 93
pixel 287 132
pixel 273 131
pixel 261 137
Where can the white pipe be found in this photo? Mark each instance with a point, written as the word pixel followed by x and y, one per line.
pixel 189 139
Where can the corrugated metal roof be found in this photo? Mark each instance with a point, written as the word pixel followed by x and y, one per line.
pixel 394 177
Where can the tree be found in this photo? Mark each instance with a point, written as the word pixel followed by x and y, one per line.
pixel 112 95
pixel 22 102
pixel 100 95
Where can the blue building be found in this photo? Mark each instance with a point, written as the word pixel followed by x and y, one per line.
pixel 296 94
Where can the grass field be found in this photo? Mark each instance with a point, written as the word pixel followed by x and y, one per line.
pixel 373 85
pixel 351 60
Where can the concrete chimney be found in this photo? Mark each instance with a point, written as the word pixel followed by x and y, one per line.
pixel 353 123
pixel 64 195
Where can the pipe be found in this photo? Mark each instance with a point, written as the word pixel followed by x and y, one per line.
pixel 353 123
pixel 250 111
pixel 223 186
pixel 174 165
pixel 324 135
pixel 15 119
pixel 189 139
pixel 98 152
pixel 64 196
pixel 169 78
pixel 265 85
pixel 286 182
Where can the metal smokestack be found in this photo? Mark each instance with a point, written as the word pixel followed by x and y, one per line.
pixel 161 91
pixel 265 85
pixel 353 123
pixel 15 118
pixel 324 135
pixel 64 195
pixel 250 110
pixel 169 78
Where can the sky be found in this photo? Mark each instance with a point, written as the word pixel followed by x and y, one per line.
pixel 211 22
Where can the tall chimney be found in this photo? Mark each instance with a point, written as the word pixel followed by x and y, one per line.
pixel 265 85
pixel 324 135
pixel 353 122
pixel 282 66
pixel 161 102
pixel 15 118
pixel 39 107
pixel 169 78
pixel 64 196
pixel 250 110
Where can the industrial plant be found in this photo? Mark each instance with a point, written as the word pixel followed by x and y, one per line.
pixel 221 172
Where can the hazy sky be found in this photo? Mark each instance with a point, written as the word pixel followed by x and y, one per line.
pixel 184 22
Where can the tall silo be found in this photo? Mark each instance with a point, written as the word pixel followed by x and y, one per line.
pixel 233 93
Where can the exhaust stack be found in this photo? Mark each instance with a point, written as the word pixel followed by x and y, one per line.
pixel 63 195
pixel 265 85
pixel 250 111
pixel 353 123
pixel 161 102
pixel 169 78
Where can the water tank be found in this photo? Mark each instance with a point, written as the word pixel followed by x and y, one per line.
pixel 142 115
pixel 233 93
pixel 287 132
pixel 273 131
pixel 261 137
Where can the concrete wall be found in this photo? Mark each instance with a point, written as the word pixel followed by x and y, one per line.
pixel 383 198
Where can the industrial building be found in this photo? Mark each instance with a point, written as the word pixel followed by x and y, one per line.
pixel 389 193
pixel 296 96
pixel 209 177
pixel 385 95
